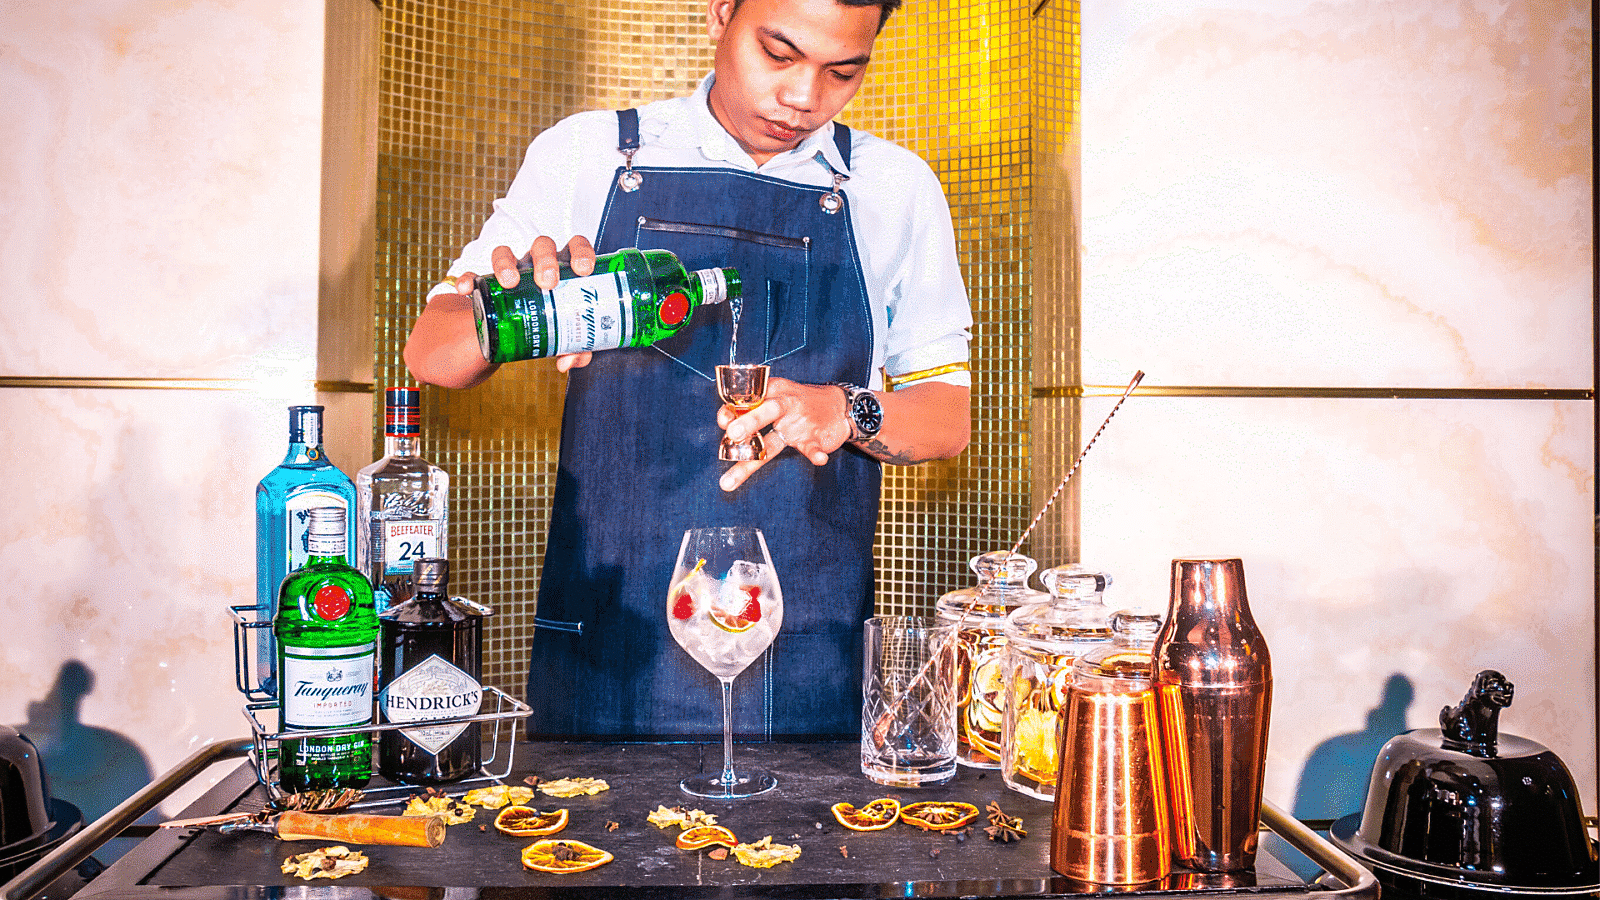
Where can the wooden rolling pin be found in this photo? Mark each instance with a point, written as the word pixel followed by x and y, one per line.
pixel 351 828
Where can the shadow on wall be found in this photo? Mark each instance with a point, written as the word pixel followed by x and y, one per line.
pixel 1333 783
pixel 92 768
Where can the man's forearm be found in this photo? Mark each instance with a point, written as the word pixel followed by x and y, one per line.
pixel 931 420
pixel 443 346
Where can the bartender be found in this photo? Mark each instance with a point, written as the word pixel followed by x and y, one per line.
pixel 845 248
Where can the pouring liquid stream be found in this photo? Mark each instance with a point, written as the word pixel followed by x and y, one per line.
pixel 880 728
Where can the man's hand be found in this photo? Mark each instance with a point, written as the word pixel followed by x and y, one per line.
pixel 808 417
pixel 924 421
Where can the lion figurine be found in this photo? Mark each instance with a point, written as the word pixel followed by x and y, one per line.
pixel 1473 725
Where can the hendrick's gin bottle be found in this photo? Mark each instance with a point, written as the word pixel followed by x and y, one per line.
pixel 431 654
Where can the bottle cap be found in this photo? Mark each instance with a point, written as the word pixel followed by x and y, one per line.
pixel 402 412
pixel 430 575
pixel 305 425
pixel 325 520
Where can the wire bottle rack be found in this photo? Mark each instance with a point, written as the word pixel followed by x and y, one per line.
pixel 267 735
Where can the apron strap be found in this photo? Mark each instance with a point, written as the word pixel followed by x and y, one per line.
pixel 628 143
pixel 841 139
pixel 627 129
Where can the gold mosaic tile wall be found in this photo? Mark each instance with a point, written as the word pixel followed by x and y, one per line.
pixel 985 92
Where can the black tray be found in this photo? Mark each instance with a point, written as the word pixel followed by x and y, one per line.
pixel 898 862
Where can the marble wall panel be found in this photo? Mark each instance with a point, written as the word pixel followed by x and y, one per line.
pixel 1392 549
pixel 161 169
pixel 1362 192
pixel 161 164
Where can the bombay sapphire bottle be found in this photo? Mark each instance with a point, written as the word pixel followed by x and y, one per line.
pixel 305 480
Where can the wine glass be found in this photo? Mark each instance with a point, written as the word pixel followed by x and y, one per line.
pixel 742 387
pixel 724 608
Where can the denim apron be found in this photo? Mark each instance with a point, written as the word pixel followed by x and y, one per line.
pixel 639 466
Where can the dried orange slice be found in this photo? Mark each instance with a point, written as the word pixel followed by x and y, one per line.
pixel 702 836
pixel 875 816
pixel 563 857
pixel 524 821
pixel 938 815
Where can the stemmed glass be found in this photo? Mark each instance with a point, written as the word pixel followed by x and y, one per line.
pixel 742 387
pixel 724 608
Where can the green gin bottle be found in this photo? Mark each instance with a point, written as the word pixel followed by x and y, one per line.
pixel 634 299
pixel 327 634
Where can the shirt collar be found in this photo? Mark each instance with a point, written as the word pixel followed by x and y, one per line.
pixel 691 124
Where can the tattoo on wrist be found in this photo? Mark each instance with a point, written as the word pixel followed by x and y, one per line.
pixel 882 452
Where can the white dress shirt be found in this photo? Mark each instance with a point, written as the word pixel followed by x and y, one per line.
pixel 920 311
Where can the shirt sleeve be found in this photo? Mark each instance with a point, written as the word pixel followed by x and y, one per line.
pixel 929 315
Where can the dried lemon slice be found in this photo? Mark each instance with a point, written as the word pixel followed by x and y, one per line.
pixel 454 812
pixel 764 854
pixel 875 816
pixel 328 862
pixel 683 818
pixel 563 857
pixel 574 787
pixel 523 821
pixel 938 815
pixel 498 795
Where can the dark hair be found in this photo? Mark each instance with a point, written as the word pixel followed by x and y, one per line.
pixel 885 7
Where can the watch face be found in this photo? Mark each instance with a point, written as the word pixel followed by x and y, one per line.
pixel 867 413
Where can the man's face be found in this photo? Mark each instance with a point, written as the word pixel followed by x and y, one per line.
pixel 786 67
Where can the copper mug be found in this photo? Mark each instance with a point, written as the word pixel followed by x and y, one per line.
pixel 1111 823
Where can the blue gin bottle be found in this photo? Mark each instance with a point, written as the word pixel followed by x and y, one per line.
pixel 305 480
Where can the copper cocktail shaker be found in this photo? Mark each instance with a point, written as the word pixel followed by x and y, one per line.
pixel 1214 688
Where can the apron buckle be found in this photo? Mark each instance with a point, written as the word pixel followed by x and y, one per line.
pixel 833 201
pixel 629 180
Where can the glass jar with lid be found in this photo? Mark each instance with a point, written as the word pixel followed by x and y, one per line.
pixel 1042 642
pixel 980 615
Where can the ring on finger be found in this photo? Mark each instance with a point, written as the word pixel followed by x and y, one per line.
pixel 780 434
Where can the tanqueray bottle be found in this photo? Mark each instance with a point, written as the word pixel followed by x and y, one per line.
pixel 634 299
pixel 327 635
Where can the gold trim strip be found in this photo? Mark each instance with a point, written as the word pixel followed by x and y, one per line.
pixel 170 384
pixel 893 382
pixel 1319 393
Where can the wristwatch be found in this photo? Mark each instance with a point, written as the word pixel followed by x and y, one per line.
pixel 862 409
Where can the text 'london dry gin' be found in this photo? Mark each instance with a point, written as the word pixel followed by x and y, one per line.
pixel 305 480
pixel 327 631
pixel 431 653
pixel 634 299
pixel 404 503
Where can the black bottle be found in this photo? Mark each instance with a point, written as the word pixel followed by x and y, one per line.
pixel 431 661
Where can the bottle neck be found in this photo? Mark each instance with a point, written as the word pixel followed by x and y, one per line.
pixel 325 558
pixel 401 444
pixel 301 453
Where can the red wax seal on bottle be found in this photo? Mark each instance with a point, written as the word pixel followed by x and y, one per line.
pixel 673 308
pixel 331 602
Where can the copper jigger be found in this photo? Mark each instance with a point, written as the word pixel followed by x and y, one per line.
pixel 1110 823
pixel 1214 683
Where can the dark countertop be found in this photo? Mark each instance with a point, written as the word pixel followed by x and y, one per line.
pixel 482 862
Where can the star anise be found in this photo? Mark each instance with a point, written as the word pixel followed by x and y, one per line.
pixel 1003 828
pixel 565 853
